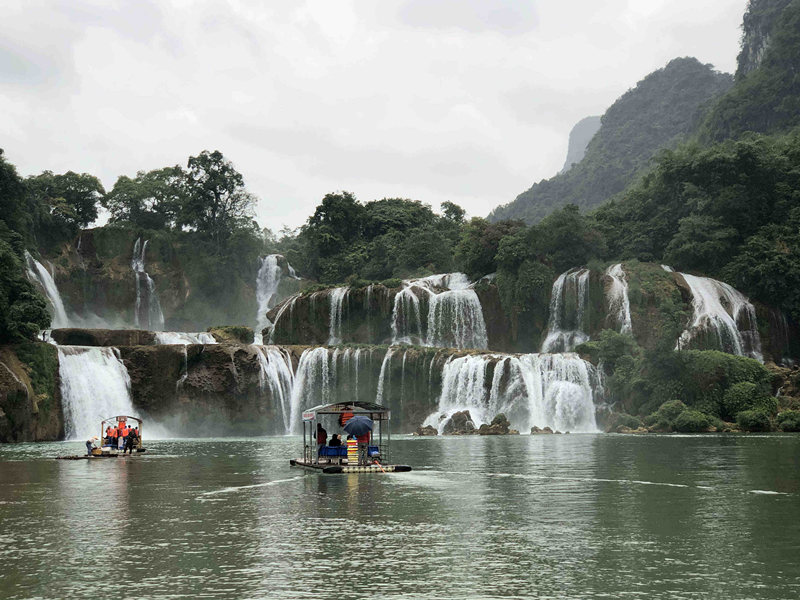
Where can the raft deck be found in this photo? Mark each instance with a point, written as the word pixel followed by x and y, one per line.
pixel 330 468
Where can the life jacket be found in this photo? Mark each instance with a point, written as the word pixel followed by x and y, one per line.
pixel 112 432
pixel 344 418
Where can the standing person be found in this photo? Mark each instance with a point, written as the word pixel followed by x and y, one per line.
pixel 112 439
pixel 363 448
pixel 89 446
pixel 322 438
pixel 130 441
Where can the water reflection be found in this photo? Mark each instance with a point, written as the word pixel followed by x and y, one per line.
pixel 578 516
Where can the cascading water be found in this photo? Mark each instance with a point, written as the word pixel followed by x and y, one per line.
pixel 147 311
pixel 337 297
pixel 288 305
pixel 94 385
pixel 183 337
pixel 545 390
pixel 37 274
pixel 619 306
pixel 568 302
pixel 267 281
pixel 723 319
pixel 312 384
pixel 276 377
pixel 454 319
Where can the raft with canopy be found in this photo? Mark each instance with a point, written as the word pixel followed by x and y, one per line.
pixel 357 418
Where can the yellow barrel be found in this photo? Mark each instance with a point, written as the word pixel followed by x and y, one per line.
pixel 352 452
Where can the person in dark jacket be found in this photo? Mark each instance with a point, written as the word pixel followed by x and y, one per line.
pixel 130 441
pixel 335 440
pixel 322 438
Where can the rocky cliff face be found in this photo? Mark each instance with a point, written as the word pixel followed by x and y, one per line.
pixel 30 403
pixel 757 26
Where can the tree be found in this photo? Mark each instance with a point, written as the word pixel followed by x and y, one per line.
pixel 71 198
pixel 151 200
pixel 479 242
pixel 216 201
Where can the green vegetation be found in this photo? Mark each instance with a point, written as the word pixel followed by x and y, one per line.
pixel 753 420
pixel 662 110
pixel 789 420
pixel 41 363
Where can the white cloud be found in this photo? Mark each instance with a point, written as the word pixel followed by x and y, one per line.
pixel 462 100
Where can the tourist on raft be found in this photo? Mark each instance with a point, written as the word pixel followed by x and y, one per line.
pixel 363 448
pixel 322 438
pixel 335 441
pixel 111 436
pixel 130 441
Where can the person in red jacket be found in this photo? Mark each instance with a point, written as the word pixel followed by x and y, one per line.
pixel 363 448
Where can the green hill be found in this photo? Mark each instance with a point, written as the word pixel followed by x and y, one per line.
pixel 663 109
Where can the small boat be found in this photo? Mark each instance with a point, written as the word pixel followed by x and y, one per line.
pixel 344 458
pixel 107 449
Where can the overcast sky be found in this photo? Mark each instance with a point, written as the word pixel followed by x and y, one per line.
pixel 462 100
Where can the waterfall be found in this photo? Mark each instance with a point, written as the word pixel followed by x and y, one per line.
pixel 545 390
pixel 267 281
pixel 183 337
pixel 39 275
pixel 337 297
pixel 387 361
pixel 568 302
pixel 312 384
pixel 276 376
pixel 148 308
pixel 723 319
pixel 94 385
pixel 406 318
pixel 619 306
pixel 454 319
pixel 667 268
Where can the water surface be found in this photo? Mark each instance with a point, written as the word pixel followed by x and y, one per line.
pixel 570 516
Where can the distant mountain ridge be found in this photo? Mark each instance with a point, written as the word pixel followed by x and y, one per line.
pixel 663 109
pixel 579 139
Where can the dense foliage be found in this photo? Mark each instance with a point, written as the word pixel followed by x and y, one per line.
pixel 23 311
pixel 345 240
pixel 663 109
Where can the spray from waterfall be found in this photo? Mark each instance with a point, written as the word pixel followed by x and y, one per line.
pixel 569 299
pixel 37 274
pixel 147 312
pixel 619 306
pixel 723 319
pixel 94 385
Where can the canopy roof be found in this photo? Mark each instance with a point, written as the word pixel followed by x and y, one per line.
pixel 119 418
pixel 344 407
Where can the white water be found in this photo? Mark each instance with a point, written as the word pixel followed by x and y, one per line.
pixel 454 319
pixel 337 298
pixel 267 282
pixel 39 275
pixel 312 384
pixel 568 301
pixel 619 306
pixel 145 292
pixel 725 314
pixel 545 390
pixel 94 385
pixel 276 376
pixel 183 337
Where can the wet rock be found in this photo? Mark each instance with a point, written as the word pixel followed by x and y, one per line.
pixel 498 426
pixel 232 334
pixel 624 429
pixel 460 423
pixel 103 337
pixel 536 431
pixel 426 431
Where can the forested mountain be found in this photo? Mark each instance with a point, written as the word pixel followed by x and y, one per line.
pixel 663 109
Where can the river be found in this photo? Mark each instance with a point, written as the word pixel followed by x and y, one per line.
pixel 567 516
